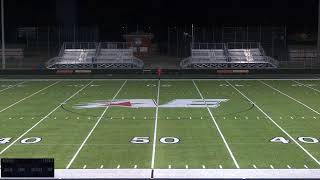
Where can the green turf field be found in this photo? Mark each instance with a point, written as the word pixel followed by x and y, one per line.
pixel 151 124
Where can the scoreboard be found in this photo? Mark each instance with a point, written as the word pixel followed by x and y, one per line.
pixel 27 167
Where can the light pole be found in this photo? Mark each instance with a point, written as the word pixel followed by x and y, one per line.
pixel 3 40
pixel 318 43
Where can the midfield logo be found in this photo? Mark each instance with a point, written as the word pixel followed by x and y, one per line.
pixel 150 103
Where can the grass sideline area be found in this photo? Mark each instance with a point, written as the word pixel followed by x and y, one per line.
pixel 162 124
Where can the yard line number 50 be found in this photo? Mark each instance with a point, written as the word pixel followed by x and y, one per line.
pixel 163 140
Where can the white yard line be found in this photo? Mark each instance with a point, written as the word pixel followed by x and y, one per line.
pixel 291 97
pixel 35 125
pixel 218 128
pixel 155 129
pixel 276 124
pixel 93 128
pixel 28 97
pixel 12 86
pixel 306 86
pixel 153 79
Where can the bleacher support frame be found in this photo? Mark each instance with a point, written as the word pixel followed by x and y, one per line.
pixel 116 59
pixel 206 61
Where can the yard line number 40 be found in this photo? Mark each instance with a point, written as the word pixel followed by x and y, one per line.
pixel 30 140
pixel 307 140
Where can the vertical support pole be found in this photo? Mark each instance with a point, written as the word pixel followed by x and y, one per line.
pixel 48 42
pixel 2 35
pixel 260 33
pixel 318 45
pixel 74 33
pixel 192 34
pixel 177 42
pixel 168 48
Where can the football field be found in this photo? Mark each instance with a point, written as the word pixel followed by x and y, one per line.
pixel 162 124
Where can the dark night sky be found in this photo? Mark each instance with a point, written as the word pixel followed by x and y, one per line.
pixel 162 12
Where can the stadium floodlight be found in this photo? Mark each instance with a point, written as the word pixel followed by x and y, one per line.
pixel 3 40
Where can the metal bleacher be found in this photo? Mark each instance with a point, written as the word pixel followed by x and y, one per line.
pixel 228 56
pixel 109 55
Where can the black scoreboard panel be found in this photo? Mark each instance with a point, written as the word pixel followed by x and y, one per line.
pixel 27 167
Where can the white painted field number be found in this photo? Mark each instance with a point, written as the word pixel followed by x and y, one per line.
pixel 307 140
pixel 140 140
pixel 30 140
pixel 280 140
pixel 4 140
pixel 146 140
pixel 169 140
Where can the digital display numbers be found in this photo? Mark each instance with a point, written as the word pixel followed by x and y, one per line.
pixel 27 167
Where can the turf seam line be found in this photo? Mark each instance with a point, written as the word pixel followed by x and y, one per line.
pixel 155 128
pixel 4 109
pixel 218 128
pixel 290 97
pixel 93 128
pixel 35 125
pixel 276 124
pixel 306 86
pixel 12 86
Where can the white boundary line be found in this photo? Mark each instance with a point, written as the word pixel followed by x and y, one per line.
pixel 35 125
pixel 28 96
pixel 155 129
pixel 217 126
pixel 290 97
pixel 306 86
pixel 93 128
pixel 154 79
pixel 12 86
pixel 276 124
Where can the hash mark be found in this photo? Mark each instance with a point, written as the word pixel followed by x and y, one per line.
pixel 118 166
pixel 220 166
pixel 203 166
pixel 254 166
pixel 135 166
pixel 169 166
pixel 187 167
pixel 85 166
pixel 305 166
pixel 271 167
pixel 289 167
pixel 101 167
